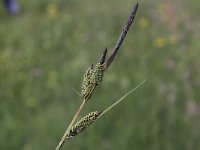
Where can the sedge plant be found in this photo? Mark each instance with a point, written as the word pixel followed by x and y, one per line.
pixel 93 77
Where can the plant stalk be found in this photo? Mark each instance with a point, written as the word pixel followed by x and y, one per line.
pixel 70 125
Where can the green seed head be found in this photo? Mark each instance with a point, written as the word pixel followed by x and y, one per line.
pixel 87 84
pixel 83 124
pixel 97 75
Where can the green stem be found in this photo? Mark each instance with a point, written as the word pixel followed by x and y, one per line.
pixel 70 125
pixel 104 112
pixel 123 97
pixel 62 141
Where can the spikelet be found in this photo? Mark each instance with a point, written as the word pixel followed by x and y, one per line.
pixel 83 124
pixel 97 75
pixel 87 84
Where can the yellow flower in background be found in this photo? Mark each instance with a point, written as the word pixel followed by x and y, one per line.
pixel 160 42
pixel 52 10
pixel 144 23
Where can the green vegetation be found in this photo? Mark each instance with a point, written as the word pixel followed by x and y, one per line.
pixel 45 51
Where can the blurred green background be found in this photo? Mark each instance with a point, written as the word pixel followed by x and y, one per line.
pixel 45 51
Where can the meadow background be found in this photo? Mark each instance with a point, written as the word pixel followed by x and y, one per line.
pixel 45 51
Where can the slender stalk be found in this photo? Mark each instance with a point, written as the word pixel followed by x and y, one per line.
pixel 111 106
pixel 70 125
pixel 123 97
pixel 62 141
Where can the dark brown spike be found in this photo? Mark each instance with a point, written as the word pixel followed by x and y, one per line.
pixel 103 57
pixel 122 36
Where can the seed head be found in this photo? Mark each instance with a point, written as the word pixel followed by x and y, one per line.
pixel 83 124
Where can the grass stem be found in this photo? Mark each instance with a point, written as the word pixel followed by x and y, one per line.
pixel 70 125
pixel 123 97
